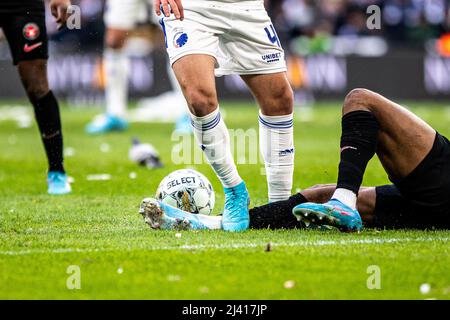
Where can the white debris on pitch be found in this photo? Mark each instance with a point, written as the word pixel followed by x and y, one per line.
pixel 173 277
pixel 99 177
pixel 203 290
pixel 69 152
pixel 178 235
pixel 425 288
pixel 133 175
pixel 120 270
pixel 289 284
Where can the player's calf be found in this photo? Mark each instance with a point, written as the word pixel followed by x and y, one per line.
pixel 276 131
pixel 358 99
pixel 276 136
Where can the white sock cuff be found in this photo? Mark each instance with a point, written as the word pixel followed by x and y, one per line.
pixel 277 122
pixel 346 196
pixel 207 122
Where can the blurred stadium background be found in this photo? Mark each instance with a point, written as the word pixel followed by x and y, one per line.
pixel 330 50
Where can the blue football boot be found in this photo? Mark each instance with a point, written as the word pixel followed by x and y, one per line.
pixel 183 125
pixel 105 123
pixel 333 213
pixel 235 214
pixel 159 215
pixel 58 183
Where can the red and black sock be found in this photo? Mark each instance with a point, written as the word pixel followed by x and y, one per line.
pixel 47 115
pixel 358 145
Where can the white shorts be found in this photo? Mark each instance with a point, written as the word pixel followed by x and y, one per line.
pixel 239 34
pixel 126 14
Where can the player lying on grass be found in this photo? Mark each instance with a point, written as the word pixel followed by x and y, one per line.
pixel 23 23
pixel 415 157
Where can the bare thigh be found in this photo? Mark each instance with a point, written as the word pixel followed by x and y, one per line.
pixel 195 74
pixel 116 38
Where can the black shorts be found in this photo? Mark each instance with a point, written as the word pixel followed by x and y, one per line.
pixel 421 200
pixel 24 28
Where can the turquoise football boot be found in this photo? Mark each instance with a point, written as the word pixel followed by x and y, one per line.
pixel 333 213
pixel 159 215
pixel 183 125
pixel 58 183
pixel 235 214
pixel 105 123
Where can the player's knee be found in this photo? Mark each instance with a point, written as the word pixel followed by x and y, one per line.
pixel 34 79
pixel 201 101
pixel 357 99
pixel 115 40
pixel 286 100
pixel 279 102
pixel 35 91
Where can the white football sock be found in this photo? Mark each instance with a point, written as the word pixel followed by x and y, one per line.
pixel 276 141
pixel 212 222
pixel 345 196
pixel 116 74
pixel 212 134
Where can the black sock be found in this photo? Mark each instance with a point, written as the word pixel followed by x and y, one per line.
pixel 276 215
pixel 358 145
pixel 46 110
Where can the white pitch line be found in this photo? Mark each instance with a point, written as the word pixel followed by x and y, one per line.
pixel 228 246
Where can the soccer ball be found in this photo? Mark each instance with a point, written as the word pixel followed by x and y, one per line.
pixel 187 190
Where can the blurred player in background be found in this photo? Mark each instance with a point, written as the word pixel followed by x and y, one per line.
pixel 23 23
pixel 233 37
pixel 121 17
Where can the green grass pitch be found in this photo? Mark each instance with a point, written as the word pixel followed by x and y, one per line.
pixel 98 229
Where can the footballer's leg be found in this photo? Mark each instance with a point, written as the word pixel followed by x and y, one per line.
pixel 33 74
pixel 212 134
pixel 276 132
pixel 370 124
pixel 27 38
pixel 116 68
pixel 120 18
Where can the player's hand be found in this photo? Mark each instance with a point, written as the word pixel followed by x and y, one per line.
pixel 169 6
pixel 59 11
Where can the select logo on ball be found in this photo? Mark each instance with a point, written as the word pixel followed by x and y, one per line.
pixel 188 190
